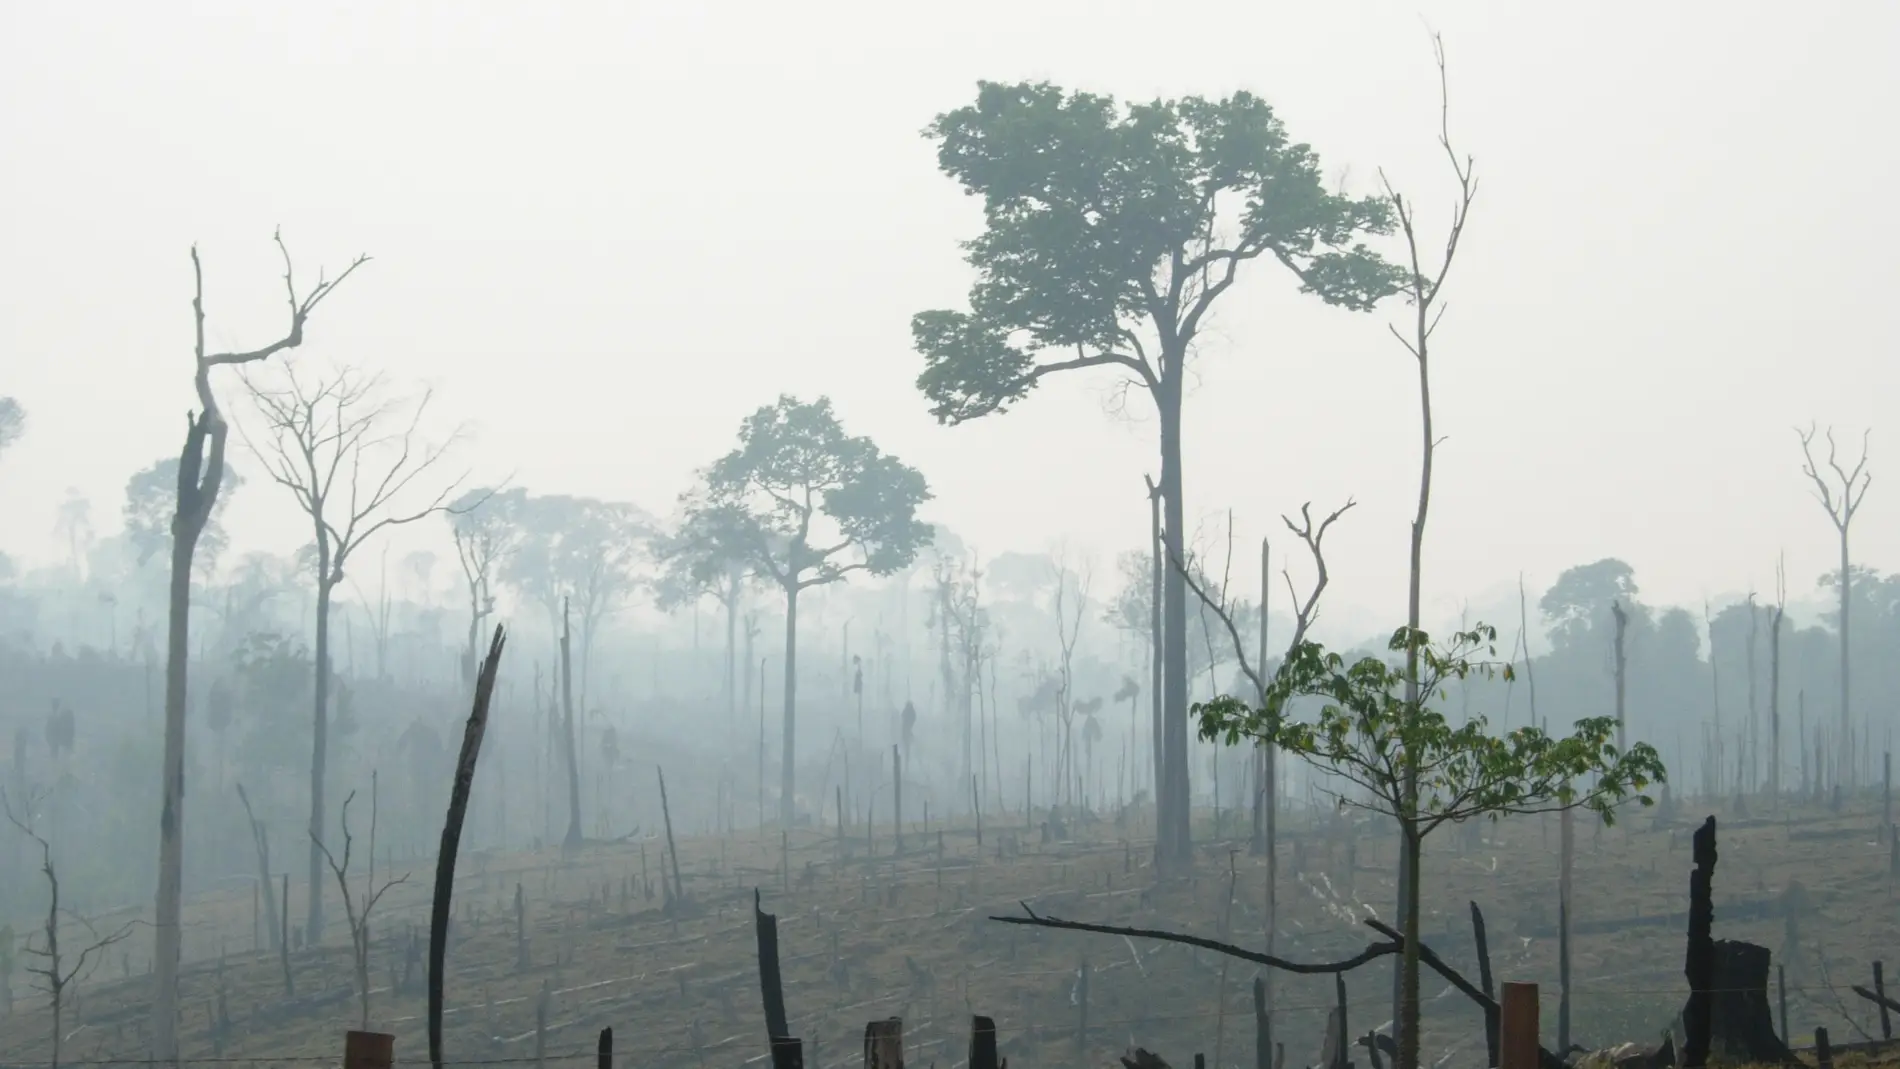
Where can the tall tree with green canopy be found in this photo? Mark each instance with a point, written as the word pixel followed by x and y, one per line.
pixel 1110 233
pixel 803 504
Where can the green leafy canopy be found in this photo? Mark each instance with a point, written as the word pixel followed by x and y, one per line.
pixel 1367 733
pixel 1110 231
pixel 799 499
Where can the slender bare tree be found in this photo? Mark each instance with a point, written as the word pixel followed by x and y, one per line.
pixel 1840 491
pixel 328 440
pixel 1070 602
pixel 200 475
pixel 54 973
pixel 1423 286
pixel 358 912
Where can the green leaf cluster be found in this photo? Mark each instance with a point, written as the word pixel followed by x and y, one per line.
pixel 1409 760
pixel 800 503
pixel 1110 231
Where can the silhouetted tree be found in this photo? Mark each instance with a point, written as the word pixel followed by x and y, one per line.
pixel 805 505
pixel 328 440
pixel 200 476
pixel 1104 247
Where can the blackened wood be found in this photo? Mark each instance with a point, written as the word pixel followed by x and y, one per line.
pixel 1485 983
pixel 1880 988
pixel 1823 1052
pixel 1699 963
pixel 1343 1041
pixel 983 1043
pixel 604 1050
pixel 884 1044
pixel 1262 1027
pixel 770 987
pixel 452 838
pixel 787 1053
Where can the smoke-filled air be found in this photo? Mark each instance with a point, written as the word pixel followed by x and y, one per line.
pixel 1057 534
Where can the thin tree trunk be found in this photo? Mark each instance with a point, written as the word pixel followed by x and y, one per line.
pixel 567 717
pixel 186 526
pixel 1158 753
pixel 319 745
pixel 1176 840
pixel 787 809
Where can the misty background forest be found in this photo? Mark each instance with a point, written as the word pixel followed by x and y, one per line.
pixel 1118 569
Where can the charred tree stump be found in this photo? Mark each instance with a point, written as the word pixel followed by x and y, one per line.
pixel 604 1050
pixel 770 986
pixel 1262 1027
pixel 1699 966
pixel 1485 984
pixel 787 1053
pixel 884 1044
pixel 452 840
pixel 1823 1051
pixel 983 1044
pixel 1741 1022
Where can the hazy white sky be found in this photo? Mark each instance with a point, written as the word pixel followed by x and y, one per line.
pixel 608 230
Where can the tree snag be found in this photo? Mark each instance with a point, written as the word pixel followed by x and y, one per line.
pixel 200 474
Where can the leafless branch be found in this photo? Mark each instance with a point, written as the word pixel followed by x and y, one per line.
pixel 1842 501
pixel 358 918
pixel 1307 611
pixel 325 431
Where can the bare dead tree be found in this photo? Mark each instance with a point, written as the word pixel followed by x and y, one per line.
pixel 53 974
pixel 1305 609
pixel 200 475
pixel 1070 601
pixel 358 914
pixel 440 904
pixel 1424 285
pixel 1840 491
pixel 326 441
pixel 261 842
pixel 1775 618
pixel 959 612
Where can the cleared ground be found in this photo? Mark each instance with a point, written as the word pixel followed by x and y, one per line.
pixel 866 933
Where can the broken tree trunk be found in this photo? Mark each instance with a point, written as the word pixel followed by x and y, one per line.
pixel 1485 983
pixel 1699 964
pixel 770 986
pixel 452 839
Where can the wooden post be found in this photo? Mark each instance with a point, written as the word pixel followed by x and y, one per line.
pixel 666 814
pixel 897 797
pixel 884 1044
pixel 1517 1027
pixel 521 931
pixel 983 1043
pixel 1262 1027
pixel 976 806
pixel 368 1050
pixel 1880 988
pixel 283 939
pixel 1823 1052
pixel 1082 1005
pixel 604 1050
